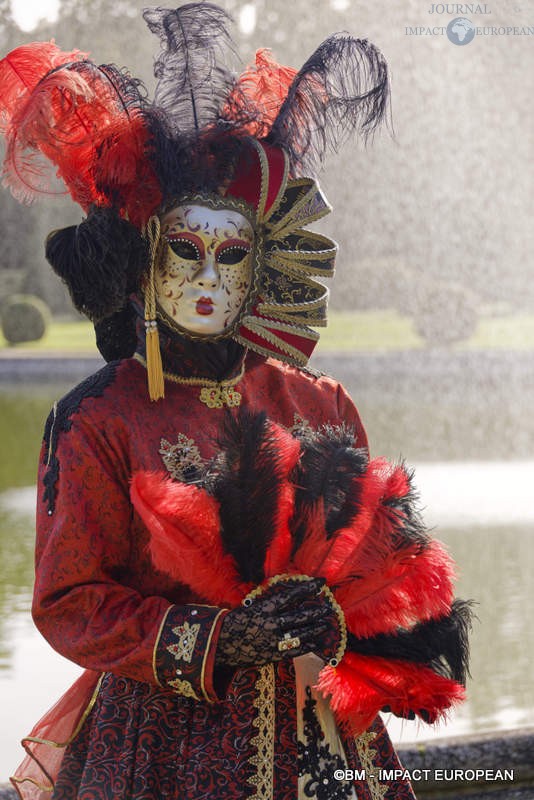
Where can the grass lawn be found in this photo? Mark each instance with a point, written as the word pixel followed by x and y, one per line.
pixel 70 337
pixel 368 331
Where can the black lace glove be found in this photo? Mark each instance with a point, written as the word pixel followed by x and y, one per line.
pixel 290 618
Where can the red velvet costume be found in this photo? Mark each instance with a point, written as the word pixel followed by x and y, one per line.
pixel 158 726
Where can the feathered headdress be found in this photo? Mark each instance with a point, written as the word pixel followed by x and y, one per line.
pixel 258 138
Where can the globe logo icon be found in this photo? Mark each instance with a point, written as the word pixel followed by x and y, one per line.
pixel 460 31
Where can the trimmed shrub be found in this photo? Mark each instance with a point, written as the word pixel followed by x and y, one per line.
pixel 448 314
pixel 24 318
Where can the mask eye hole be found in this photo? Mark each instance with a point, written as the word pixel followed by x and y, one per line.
pixel 232 255
pixel 185 249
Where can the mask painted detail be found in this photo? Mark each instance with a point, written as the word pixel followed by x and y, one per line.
pixel 207 273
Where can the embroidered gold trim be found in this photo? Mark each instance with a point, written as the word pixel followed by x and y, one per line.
pixel 310 196
pixel 293 314
pixel 377 789
pixel 183 688
pixel 264 169
pixel 223 611
pixel 263 328
pixel 154 651
pixel 342 626
pixel 296 316
pixel 183 649
pixel 283 576
pixel 301 427
pixel 296 320
pixel 181 456
pixel 306 248
pixel 298 269
pixel 263 741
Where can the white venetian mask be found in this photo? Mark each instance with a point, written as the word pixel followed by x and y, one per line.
pixel 207 273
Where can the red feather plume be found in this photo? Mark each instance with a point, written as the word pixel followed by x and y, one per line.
pixel 259 93
pixel 54 123
pixel 278 553
pixel 310 557
pixel 407 589
pixel 361 685
pixel 72 120
pixel 184 526
pixel 23 68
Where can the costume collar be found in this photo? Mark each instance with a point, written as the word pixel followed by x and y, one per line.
pixel 183 357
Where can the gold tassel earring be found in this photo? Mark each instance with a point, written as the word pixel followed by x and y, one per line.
pixel 154 367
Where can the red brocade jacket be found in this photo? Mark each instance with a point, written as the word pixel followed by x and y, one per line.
pixel 155 723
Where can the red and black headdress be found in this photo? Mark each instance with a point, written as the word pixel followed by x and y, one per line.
pixel 72 126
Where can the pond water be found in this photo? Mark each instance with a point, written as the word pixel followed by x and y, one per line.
pixel 484 513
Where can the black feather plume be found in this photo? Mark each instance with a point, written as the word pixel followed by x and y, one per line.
pixel 440 644
pixel 342 88
pixel 193 82
pixel 247 487
pixel 328 466
pixel 409 526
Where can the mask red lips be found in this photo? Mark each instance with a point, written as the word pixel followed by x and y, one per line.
pixel 204 306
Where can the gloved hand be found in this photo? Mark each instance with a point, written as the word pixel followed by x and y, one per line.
pixel 294 614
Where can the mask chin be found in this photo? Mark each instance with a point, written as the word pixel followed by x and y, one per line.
pixel 191 329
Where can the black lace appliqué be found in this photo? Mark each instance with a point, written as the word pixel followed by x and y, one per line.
pixel 60 421
pixel 315 761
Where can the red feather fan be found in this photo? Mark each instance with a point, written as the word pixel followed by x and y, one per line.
pixel 383 576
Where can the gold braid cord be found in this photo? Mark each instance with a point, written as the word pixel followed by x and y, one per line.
pixel 214 394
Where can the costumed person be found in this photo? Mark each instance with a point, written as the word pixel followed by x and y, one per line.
pixel 244 588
